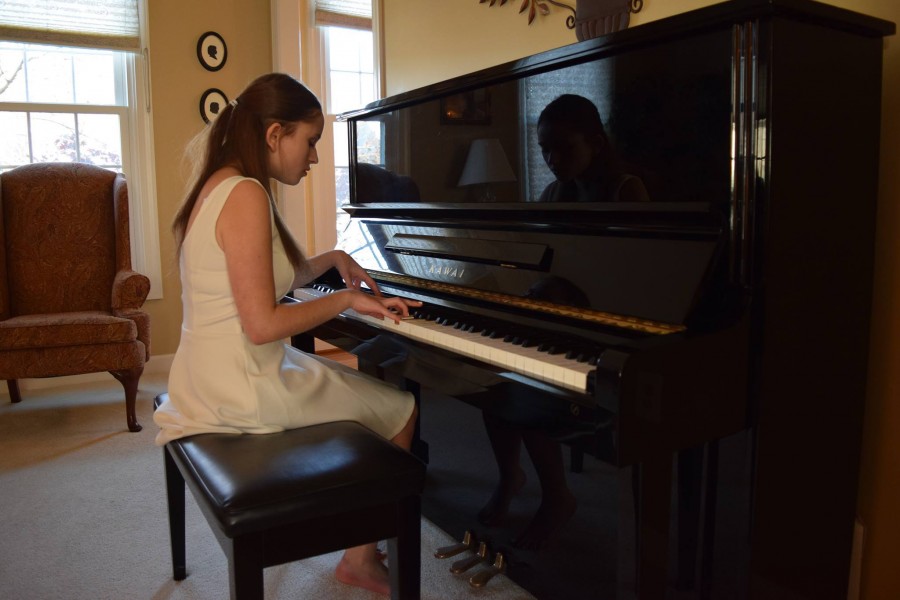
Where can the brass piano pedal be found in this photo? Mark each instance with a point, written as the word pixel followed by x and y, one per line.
pixel 463 565
pixel 480 579
pixel 448 551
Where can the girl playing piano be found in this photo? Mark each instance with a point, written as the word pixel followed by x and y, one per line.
pixel 233 371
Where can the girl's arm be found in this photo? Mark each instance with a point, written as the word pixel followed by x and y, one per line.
pixel 244 232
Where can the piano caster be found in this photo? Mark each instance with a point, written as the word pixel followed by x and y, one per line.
pixel 463 565
pixel 480 579
pixel 448 551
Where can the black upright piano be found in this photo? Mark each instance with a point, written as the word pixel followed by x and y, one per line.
pixel 733 298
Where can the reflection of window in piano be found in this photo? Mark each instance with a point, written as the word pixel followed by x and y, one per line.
pixel 593 80
pixel 358 242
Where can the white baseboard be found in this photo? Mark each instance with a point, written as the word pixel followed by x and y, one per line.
pixel 156 365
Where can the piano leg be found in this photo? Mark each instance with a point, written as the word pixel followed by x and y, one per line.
pixel 419 446
pixel 690 487
pixel 645 521
pixel 304 342
pixel 709 512
pixel 697 493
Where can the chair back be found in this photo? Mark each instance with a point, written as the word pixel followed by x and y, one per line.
pixel 61 226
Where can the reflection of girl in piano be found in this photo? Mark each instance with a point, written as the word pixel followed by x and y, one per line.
pixel 232 371
pixel 514 417
pixel 575 147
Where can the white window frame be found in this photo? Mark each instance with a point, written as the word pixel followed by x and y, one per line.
pixel 138 162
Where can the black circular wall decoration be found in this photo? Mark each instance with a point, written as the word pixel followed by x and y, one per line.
pixel 211 51
pixel 212 102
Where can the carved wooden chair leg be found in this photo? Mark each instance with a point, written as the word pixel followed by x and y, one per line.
pixel 13 386
pixel 129 380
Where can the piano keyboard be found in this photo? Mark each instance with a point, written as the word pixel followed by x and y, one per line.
pixel 535 361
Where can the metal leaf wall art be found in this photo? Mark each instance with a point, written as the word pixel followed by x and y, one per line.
pixel 589 18
pixel 538 6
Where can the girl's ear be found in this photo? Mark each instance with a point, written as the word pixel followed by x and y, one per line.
pixel 273 133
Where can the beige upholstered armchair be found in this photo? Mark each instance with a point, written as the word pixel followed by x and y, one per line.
pixel 69 301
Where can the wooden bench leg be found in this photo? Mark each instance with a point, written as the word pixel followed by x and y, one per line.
pixel 175 500
pixel 245 569
pixel 404 551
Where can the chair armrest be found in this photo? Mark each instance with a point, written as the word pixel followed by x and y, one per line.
pixel 129 291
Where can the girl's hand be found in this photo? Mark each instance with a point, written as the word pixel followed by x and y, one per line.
pixel 353 274
pixel 380 307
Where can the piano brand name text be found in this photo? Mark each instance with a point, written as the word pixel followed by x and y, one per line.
pixel 446 270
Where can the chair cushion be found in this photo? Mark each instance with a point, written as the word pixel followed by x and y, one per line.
pixel 65 329
pixel 71 360
pixel 253 482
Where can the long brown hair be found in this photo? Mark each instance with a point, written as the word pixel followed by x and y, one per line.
pixel 237 137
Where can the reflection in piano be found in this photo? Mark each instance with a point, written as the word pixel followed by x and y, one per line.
pixel 735 300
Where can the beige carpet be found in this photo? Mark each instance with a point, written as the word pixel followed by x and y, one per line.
pixel 83 516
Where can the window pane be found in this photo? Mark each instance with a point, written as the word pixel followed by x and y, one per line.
pixel 344 92
pixel 341 153
pixel 53 137
pixel 343 49
pixel 342 189
pixel 366 52
pixel 351 64
pixel 49 76
pixel 94 78
pixel 12 73
pixel 366 89
pixel 14 149
pixel 100 140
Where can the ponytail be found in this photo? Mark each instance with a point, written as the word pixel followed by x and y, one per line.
pixel 237 137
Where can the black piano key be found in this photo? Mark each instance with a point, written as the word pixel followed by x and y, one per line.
pixel 511 333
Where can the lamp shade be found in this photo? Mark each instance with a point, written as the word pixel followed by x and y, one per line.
pixel 486 163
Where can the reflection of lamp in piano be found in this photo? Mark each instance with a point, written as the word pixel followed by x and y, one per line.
pixel 486 164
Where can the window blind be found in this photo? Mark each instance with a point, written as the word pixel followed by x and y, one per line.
pixel 356 14
pixel 108 24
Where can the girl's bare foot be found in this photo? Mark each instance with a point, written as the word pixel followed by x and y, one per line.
pixel 554 512
pixel 369 574
pixel 497 506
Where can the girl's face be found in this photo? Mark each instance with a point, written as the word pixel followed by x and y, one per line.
pixel 567 151
pixel 292 153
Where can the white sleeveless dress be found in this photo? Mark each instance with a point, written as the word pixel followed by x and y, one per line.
pixel 222 382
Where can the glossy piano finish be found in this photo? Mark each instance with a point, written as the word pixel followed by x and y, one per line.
pixel 754 127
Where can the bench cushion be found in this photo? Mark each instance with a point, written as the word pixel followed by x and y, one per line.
pixel 255 482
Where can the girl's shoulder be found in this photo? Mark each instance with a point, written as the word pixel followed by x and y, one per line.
pixel 225 177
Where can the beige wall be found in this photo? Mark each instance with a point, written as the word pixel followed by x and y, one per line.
pixel 177 82
pixel 432 40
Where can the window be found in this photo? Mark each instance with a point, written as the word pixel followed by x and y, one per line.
pixel 81 103
pixel 351 84
pixel 344 72
pixel 62 104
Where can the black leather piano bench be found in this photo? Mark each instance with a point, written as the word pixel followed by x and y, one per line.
pixel 280 497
